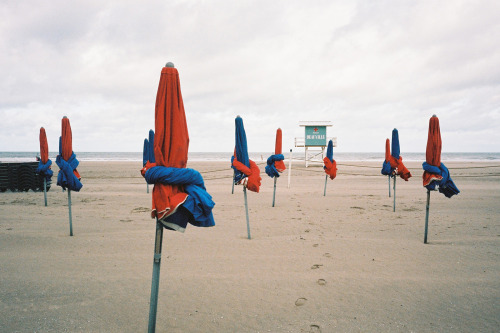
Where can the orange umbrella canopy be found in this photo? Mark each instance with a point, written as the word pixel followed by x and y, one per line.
pixel 171 141
pixel 280 165
pixel 433 150
pixel 67 142
pixel 387 150
pixel 44 146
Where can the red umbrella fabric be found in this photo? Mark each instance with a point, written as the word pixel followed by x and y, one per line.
pixel 280 165
pixel 67 143
pixel 171 141
pixel 433 150
pixel 179 194
pixel 44 146
pixel 330 165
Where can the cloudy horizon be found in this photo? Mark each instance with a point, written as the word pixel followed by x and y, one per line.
pixel 367 67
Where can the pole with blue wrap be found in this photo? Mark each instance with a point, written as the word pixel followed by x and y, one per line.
pixel 395 152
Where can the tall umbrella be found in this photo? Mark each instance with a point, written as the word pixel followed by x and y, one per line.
pixel 435 172
pixel 330 166
pixel 44 165
pixel 393 164
pixel 68 176
pixel 179 194
pixel 246 171
pixel 275 164
pixel 386 167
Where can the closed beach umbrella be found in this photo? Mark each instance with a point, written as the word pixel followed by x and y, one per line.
pixel 387 170
pixel 330 165
pixel 151 149
pixel 397 163
pixel 435 172
pixel 246 171
pixel 145 153
pixel 44 165
pixel 148 155
pixel 275 164
pixel 179 194
pixel 68 176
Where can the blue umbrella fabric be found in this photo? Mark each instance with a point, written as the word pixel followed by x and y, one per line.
pixel 151 149
pixel 66 178
pixel 240 162
pixel 145 152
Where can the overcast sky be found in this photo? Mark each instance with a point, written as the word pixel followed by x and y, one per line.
pixel 366 66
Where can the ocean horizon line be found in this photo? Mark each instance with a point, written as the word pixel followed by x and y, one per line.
pixel 29 156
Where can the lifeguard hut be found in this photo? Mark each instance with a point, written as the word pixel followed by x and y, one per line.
pixel 315 140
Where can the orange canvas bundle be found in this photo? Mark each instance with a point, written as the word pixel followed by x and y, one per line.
pixel 171 141
pixel 279 165
pixel 433 150
pixel 330 167
pixel 399 167
pixel 44 146
pixel 67 143
pixel 253 180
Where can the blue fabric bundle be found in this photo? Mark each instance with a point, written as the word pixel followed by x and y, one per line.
pixel 395 144
pixel 270 168
pixel 446 185
pixel 145 152
pixel 198 205
pixel 66 178
pixel 151 149
pixel 387 169
pixel 241 149
pixel 43 169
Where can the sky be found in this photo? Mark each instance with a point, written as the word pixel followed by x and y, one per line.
pixel 366 66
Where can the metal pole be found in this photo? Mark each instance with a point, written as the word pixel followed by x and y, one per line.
pixel 147 188
pixel 246 211
pixel 70 219
pixel 394 204
pixel 389 178
pixel 232 191
pixel 326 180
pixel 289 168
pixel 45 190
pixel 155 282
pixel 274 193
pixel 427 215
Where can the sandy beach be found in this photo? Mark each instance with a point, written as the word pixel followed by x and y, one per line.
pixel 344 262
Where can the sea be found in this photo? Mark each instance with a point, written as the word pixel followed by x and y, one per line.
pixel 256 156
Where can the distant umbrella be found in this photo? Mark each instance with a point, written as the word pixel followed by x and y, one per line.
pixel 435 172
pixel 68 176
pixel 246 172
pixel 148 155
pixel 275 164
pixel 179 194
pixel 44 165
pixel 393 164
pixel 330 165
pixel 387 170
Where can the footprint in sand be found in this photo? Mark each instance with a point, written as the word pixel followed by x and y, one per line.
pixel 127 220
pixel 316 266
pixel 315 329
pixel 328 255
pixel 321 282
pixel 300 301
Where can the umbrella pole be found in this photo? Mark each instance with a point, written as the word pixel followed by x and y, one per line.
pixel 274 193
pixel 155 282
pixel 394 204
pixel 232 191
pixel 289 168
pixel 389 178
pixel 427 215
pixel 147 188
pixel 70 219
pixel 326 180
pixel 45 190
pixel 246 210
